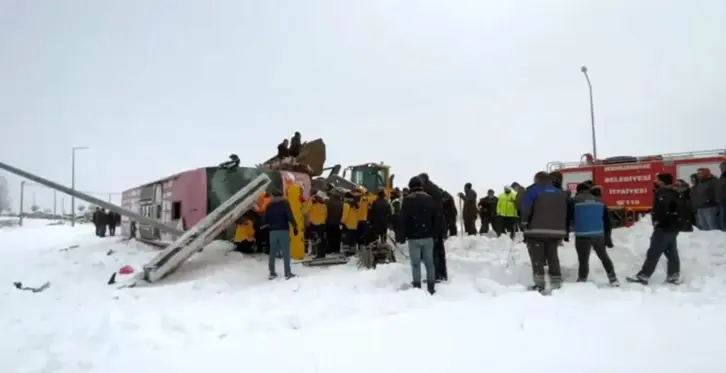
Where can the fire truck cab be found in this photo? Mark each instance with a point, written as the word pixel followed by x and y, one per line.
pixel 627 181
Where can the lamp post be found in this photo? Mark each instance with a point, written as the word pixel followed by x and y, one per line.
pixel 73 182
pixel 592 112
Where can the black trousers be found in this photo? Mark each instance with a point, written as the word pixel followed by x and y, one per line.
pixel 662 243
pixel 442 272
pixel 544 251
pixel 470 226
pixel 332 238
pixel 507 224
pixel 485 221
pixel 317 233
pixel 585 245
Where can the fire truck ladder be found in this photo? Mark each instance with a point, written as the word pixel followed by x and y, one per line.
pixel 206 230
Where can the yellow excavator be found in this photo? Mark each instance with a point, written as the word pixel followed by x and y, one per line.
pixel 373 177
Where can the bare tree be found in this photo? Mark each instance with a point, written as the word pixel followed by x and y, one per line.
pixel 34 208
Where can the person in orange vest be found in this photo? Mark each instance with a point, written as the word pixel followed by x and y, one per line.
pixel 262 234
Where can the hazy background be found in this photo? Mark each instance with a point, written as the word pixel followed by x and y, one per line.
pixel 481 91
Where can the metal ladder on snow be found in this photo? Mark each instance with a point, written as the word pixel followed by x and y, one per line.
pixel 206 230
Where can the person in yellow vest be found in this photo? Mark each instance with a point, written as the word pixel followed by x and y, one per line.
pixel 317 214
pixel 507 211
pixel 350 222
pixel 244 235
pixel 363 230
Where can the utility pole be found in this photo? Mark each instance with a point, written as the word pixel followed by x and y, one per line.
pixel 55 202
pixel 592 112
pixel 73 182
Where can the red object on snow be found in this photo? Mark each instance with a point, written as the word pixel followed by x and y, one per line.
pixel 126 270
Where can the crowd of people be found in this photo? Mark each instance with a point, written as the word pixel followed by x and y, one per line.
pixel 104 220
pixel 423 215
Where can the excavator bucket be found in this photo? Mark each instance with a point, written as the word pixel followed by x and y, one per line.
pixel 312 155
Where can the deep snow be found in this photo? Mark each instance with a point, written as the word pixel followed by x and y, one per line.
pixel 219 313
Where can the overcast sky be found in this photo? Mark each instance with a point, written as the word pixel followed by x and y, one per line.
pixel 476 91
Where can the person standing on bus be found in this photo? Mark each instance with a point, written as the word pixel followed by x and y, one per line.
pixel 278 218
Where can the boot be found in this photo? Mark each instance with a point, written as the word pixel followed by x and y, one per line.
pixel 674 279
pixel 431 288
pixel 638 279
pixel 417 285
pixel 613 280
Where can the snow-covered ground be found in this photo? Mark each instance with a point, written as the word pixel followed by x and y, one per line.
pixel 219 313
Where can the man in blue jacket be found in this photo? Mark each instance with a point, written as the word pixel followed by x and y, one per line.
pixel 545 217
pixel 591 224
pixel 278 219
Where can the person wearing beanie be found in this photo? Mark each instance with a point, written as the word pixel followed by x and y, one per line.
pixel 591 225
pixel 419 225
pixel 666 226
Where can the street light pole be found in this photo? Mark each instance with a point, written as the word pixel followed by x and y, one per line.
pixel 73 182
pixel 592 112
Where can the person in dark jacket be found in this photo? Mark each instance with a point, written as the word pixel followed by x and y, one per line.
pixel 703 198
pixel 282 150
pixel 557 178
pixel 420 224
pixel 442 273
pixel 112 220
pixel 664 240
pixel 333 230
pixel 295 145
pixel 450 213
pixel 278 219
pixel 488 212
pixel 721 196
pixel 590 222
pixel 469 212
pixel 100 220
pixel 684 196
pixel 379 217
pixel 545 218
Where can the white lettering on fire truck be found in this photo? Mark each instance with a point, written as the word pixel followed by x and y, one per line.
pixel 632 166
pixel 628 179
pixel 628 191
pixel 629 202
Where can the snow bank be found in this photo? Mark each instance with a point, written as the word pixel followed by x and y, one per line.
pixel 220 314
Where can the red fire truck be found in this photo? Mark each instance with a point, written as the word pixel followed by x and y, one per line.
pixel 627 182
